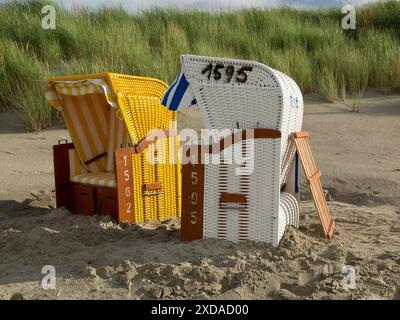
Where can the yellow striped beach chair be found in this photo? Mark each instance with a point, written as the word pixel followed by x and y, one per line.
pixel 106 169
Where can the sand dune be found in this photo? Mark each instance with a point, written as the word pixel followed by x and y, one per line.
pixel 96 258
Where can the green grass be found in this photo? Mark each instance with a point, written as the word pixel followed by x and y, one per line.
pixel 308 45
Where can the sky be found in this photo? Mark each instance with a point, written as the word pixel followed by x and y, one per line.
pixel 133 5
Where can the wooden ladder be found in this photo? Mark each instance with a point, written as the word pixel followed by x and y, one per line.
pixel 313 176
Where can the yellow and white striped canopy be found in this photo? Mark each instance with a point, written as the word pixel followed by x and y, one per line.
pixel 78 88
pixel 90 111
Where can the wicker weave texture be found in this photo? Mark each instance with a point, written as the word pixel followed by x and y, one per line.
pixel 268 99
pixel 138 103
pixel 259 220
pixel 143 115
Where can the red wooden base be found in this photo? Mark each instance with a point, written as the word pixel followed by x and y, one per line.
pixel 77 197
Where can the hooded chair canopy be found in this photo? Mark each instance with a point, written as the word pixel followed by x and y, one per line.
pixel 103 113
pixel 98 125
pixel 91 115
pixel 240 95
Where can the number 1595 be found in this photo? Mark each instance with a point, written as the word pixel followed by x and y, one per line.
pixel 229 71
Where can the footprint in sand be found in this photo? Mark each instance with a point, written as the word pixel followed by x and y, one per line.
pixel 17 296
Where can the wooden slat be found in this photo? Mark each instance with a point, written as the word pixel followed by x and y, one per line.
pixel 331 228
pixel 192 201
pixel 227 197
pixel 95 158
pixel 313 176
pixel 124 183
pixel 152 186
pixel 64 189
pixel 301 134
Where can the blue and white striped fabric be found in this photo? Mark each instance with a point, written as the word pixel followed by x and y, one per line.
pixel 179 95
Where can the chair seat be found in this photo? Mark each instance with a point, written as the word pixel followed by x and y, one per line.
pixel 101 179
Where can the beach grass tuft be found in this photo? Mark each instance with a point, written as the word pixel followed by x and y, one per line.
pixel 308 45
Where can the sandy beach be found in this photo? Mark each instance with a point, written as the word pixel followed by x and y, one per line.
pixel 95 258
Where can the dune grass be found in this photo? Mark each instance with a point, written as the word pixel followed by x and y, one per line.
pixel 308 45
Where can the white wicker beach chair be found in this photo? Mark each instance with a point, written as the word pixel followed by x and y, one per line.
pixel 239 94
pixel 260 98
